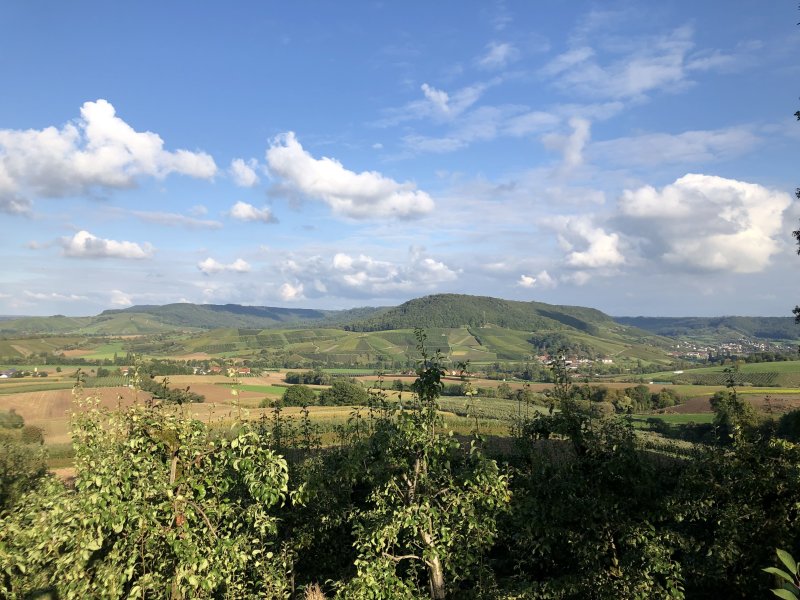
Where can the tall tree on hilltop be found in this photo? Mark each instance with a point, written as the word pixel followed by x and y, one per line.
pixel 796 234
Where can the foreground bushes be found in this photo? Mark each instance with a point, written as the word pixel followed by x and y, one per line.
pixel 163 506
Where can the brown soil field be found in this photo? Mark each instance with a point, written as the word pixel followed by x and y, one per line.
pixel 216 393
pixel 51 409
pixel 76 353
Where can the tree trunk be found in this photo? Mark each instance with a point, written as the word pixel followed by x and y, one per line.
pixel 436 578
pixel 435 573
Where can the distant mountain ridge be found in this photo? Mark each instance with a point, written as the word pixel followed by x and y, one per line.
pixel 767 328
pixel 434 311
pixel 150 318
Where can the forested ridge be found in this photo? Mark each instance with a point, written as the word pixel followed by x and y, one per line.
pixel 458 310
pixel 774 328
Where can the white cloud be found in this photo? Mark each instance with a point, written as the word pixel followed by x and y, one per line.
pixel 541 280
pixel 99 150
pixel 198 210
pixel 14 205
pixel 708 223
pixel 526 281
pixel 120 298
pixel 176 220
pixel 497 56
pixel 54 296
pixel 438 105
pixel 577 277
pixel 210 266
pixel 571 145
pixel 362 195
pixel 438 98
pixel 653 63
pixel 85 245
pixel 10 201
pixel 290 292
pixel 587 246
pixel 247 212
pixel 239 265
pixel 350 275
pixel 244 173
pixel 688 147
pixel 483 124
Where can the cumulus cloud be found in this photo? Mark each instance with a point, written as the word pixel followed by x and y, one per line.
pixel 244 173
pixel 290 292
pixel 210 266
pixel 97 151
pixel 541 280
pixel 361 275
pixel 497 56
pixel 587 245
pixel 355 195
pixel 120 298
pixel 247 212
pixel 85 245
pixel 704 222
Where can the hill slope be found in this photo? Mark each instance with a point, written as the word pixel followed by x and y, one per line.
pixel 723 328
pixel 147 319
pixel 458 310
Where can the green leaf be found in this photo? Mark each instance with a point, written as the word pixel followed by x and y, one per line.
pixel 780 573
pixel 785 594
pixel 787 560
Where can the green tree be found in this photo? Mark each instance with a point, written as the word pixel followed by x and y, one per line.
pixel 731 411
pixel 9 419
pixel 344 393
pixel 21 467
pixel 432 518
pixel 298 395
pixel 161 508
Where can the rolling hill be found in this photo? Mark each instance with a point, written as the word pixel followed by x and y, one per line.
pixel 717 328
pixel 149 319
pixel 475 328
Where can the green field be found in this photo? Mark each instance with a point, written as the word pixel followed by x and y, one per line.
pixel 261 389
pixel 105 351
pixel 786 366
pixel 353 372
pixel 37 386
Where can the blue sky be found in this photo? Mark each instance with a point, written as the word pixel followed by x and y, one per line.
pixel 639 158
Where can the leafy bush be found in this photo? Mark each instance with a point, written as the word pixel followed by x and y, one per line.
pixel 343 393
pixel 789 426
pixel 21 466
pixel 9 419
pixel 298 395
pixel 159 504
pixel 32 434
